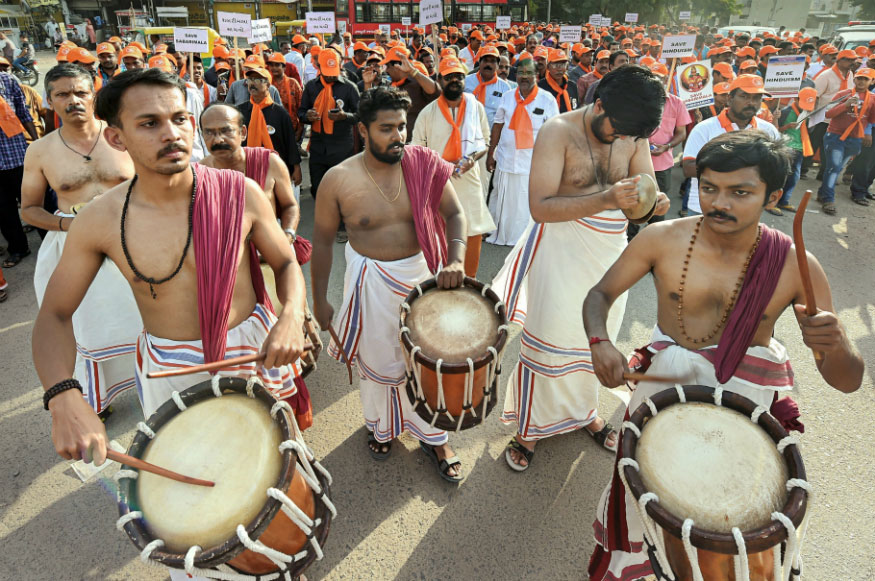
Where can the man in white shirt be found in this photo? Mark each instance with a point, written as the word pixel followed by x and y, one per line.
pixel 521 114
pixel 827 59
pixel 466 55
pixel 296 55
pixel 485 83
pixel 745 99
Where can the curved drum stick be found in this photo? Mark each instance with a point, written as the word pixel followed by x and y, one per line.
pixel 337 342
pixel 802 261
pixel 146 467
pixel 224 363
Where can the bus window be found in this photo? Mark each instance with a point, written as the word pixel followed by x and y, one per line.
pixel 468 12
pixel 342 7
pixel 490 11
pixel 401 10
pixel 380 12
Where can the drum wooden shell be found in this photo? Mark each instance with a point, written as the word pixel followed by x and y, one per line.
pixel 454 374
pixel 756 540
pixel 270 526
pixel 311 333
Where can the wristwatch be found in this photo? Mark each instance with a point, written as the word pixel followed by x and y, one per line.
pixel 291 232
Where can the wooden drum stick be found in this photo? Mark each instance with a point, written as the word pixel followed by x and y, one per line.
pixel 802 261
pixel 146 467
pixel 224 363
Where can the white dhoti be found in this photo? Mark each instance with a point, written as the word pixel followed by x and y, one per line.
pixel 509 206
pixel 156 354
pixel 367 326
pixel 763 372
pixel 105 325
pixel 553 388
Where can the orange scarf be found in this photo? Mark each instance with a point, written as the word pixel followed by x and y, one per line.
pixel 324 104
pixel 480 91
pixel 453 149
pixel 258 135
pixel 726 124
pixel 807 150
pixel 561 93
pixel 399 83
pixel 843 79
pixel 98 83
pixel 9 122
pixel 858 122
pixel 285 91
pixel 597 74
pixel 713 110
pixel 206 94
pixel 521 121
pixel 585 69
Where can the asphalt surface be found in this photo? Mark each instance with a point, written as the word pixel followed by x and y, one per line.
pixel 397 519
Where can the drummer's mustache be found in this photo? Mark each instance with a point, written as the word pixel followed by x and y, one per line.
pixel 721 215
pixel 71 108
pixel 221 147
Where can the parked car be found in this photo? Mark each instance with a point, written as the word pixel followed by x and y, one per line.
pixel 751 30
pixel 855 34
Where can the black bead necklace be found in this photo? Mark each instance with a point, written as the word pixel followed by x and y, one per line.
pixel 152 282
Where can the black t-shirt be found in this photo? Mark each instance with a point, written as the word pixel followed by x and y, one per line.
pixel 283 133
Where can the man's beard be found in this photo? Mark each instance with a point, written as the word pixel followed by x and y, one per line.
pixel 453 91
pixel 385 156
pixel 597 124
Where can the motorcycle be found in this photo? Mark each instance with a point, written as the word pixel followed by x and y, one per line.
pixel 31 77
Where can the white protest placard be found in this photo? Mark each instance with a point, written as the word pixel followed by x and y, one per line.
pixel 502 22
pixel 405 21
pixel 191 39
pixel 341 26
pixel 678 45
pixel 784 75
pixel 569 34
pixel 695 84
pixel 684 15
pixel 466 27
pixel 430 12
pixel 385 29
pixel 631 17
pixel 260 31
pixel 234 24
pixel 595 19
pixel 606 20
pixel 320 23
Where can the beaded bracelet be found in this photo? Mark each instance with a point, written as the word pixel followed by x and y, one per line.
pixel 58 388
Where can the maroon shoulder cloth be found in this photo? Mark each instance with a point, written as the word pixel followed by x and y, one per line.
pixel 425 175
pixel 219 206
pixel 759 285
pixel 257 164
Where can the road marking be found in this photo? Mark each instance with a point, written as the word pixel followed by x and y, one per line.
pixel 15 326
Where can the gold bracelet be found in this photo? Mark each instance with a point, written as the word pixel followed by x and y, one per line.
pixel 459 240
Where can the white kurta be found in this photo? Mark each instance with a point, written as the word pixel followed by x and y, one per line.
pixel 543 282
pixel 509 202
pixel 433 131
pixel 367 326
pixel 105 325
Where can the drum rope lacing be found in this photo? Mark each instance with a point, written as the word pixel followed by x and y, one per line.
pixel 306 466
pixel 784 569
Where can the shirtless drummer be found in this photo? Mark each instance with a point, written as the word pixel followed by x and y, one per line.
pixel 391 198
pixel 79 165
pixel 171 211
pixel 580 181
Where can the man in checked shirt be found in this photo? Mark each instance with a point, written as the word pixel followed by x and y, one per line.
pixel 15 119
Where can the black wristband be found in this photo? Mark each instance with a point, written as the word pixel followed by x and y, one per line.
pixel 60 387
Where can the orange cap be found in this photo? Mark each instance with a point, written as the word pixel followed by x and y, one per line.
pixel 449 66
pixel 631 52
pixel 769 49
pixel 159 61
pixel 556 55
pixel 277 57
pixel 721 88
pixel 140 46
pixel 603 54
pixel 160 48
pixel 746 51
pixel 580 48
pixel 719 50
pixel 658 68
pixel 105 47
pixel 478 35
pixel 115 39
pixel 394 54
pixel 131 51
pixel 359 45
pixel 748 64
pixel 260 71
pixel 647 61
pixel 750 84
pixel 862 51
pixel 80 55
pixel 63 51
pixel 541 52
pixel 865 72
pixel 223 66
pixel 487 51
pixel 329 63
pixel 420 67
pixel 220 40
pixel 828 49
pixel 298 39
pixel 724 69
pixel 807 98
pixel 847 54
pixel 252 61
pixel 220 52
pixel 259 48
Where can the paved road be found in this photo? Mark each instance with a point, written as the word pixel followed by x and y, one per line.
pixel 397 519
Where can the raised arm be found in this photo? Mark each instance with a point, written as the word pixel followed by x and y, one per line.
pixel 841 364
pixel 326 223
pixel 285 343
pixel 635 262
pixel 77 432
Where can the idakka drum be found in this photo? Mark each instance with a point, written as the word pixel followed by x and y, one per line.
pixel 453 342
pixel 268 514
pixel 648 190
pixel 719 485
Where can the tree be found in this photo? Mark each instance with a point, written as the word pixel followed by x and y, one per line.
pixel 867 9
pixel 652 11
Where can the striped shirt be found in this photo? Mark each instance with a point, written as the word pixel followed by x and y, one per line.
pixel 12 149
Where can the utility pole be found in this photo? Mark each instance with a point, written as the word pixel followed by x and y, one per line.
pixel 549 7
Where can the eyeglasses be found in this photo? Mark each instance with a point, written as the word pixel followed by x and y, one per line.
pixel 223 132
pixel 257 80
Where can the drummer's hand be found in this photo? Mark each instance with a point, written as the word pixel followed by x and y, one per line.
pixel 662 204
pixel 609 364
pixel 623 194
pixel 284 343
pixel 821 331
pixel 323 312
pixel 451 276
pixel 77 432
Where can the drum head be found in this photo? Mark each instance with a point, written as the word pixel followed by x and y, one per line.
pixel 647 193
pixel 230 440
pixel 453 324
pixel 713 465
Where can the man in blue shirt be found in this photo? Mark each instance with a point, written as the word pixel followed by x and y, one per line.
pixel 15 119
